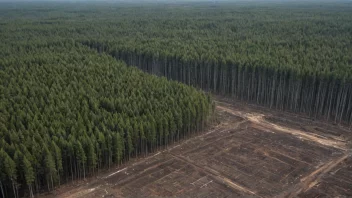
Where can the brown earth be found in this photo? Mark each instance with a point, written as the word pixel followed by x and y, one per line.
pixel 252 152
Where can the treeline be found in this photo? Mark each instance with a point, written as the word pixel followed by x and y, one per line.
pixel 325 94
pixel 67 112
pixel 274 55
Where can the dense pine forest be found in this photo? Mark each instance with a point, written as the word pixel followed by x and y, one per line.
pixel 67 111
pixel 72 104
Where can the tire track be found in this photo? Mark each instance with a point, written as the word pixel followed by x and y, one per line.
pixel 217 176
pixel 313 178
pixel 260 121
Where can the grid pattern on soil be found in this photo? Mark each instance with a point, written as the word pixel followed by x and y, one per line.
pixel 338 183
pixel 263 163
pixel 237 158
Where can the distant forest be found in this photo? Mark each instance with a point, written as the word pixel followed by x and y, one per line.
pixel 73 101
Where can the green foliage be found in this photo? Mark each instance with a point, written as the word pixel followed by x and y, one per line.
pixel 68 111
pixel 68 108
pixel 8 166
pixel 28 171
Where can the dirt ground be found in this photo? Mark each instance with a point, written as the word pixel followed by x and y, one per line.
pixel 252 152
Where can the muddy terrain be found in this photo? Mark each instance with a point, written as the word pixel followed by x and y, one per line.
pixel 251 152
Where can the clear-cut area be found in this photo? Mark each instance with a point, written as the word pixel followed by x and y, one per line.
pixel 250 152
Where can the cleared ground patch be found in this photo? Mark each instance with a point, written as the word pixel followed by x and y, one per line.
pixel 337 183
pixel 250 153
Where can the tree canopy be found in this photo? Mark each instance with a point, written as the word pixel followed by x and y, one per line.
pixel 71 102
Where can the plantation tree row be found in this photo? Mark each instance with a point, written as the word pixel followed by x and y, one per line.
pixel 293 56
pixel 67 112
pixel 68 108
pixel 319 94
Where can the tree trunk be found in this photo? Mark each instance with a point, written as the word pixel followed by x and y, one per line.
pixel 14 189
pixel 2 190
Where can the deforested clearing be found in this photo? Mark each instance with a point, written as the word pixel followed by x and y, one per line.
pixel 234 158
pixel 175 99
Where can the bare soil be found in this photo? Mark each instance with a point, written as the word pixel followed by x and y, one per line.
pixel 251 152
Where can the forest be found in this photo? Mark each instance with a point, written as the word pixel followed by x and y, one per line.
pixel 75 98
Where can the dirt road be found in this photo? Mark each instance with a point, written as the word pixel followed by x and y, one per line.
pixel 259 120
